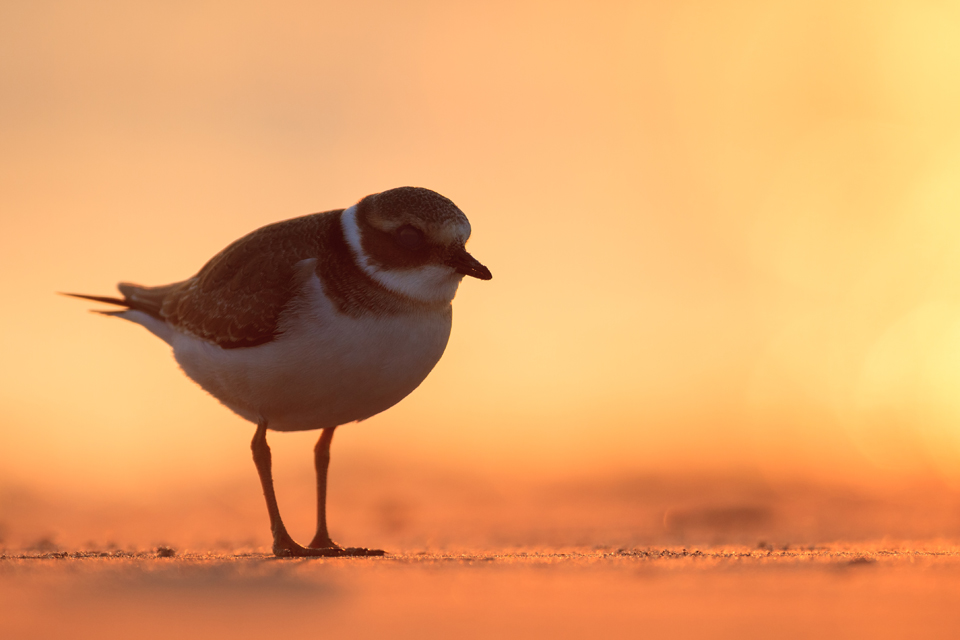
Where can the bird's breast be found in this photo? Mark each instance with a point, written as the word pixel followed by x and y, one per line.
pixel 325 368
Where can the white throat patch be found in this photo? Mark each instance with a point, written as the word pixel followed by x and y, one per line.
pixel 429 283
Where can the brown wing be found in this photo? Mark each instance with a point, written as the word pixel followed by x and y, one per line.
pixel 237 298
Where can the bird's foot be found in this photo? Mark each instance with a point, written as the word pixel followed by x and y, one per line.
pixel 287 548
pixel 360 551
pixel 328 552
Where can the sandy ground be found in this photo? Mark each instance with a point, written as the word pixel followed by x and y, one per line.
pixel 644 557
pixel 713 593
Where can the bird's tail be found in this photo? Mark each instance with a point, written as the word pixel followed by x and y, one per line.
pixel 105 299
pixel 136 297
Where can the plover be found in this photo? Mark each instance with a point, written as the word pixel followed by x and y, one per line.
pixel 315 322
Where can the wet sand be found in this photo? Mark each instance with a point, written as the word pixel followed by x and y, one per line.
pixel 617 557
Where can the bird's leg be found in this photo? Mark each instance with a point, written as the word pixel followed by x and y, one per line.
pixel 321 460
pixel 321 541
pixel 283 544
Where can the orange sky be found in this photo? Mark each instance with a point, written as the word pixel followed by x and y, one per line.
pixel 723 235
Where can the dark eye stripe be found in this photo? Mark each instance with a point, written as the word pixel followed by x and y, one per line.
pixel 410 237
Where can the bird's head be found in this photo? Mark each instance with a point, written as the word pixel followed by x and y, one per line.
pixel 412 241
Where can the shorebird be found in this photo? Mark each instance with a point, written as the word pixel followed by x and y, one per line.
pixel 315 322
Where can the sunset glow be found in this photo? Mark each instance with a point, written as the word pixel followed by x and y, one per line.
pixel 724 236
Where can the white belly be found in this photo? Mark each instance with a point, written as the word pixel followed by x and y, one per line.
pixel 326 369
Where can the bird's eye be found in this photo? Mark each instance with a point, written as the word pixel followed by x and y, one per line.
pixel 410 237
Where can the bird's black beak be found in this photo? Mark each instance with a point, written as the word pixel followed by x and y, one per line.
pixel 466 264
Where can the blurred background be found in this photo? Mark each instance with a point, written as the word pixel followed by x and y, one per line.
pixel 724 236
